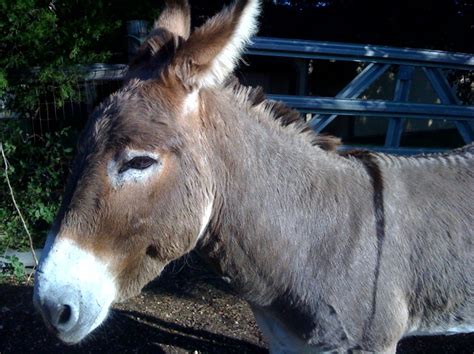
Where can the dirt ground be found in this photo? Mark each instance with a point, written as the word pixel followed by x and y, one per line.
pixel 187 310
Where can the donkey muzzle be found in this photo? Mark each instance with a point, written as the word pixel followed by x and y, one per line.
pixel 73 290
pixel 60 310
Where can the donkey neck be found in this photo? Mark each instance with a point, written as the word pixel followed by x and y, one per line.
pixel 271 185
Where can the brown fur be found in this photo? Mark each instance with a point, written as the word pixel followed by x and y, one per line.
pixel 207 41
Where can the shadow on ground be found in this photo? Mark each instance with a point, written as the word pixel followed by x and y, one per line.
pixel 186 310
pixel 21 330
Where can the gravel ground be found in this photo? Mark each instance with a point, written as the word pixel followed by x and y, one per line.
pixel 188 310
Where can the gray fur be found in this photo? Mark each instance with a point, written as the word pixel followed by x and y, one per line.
pixel 295 230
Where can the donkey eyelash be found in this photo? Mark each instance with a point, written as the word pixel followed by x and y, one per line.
pixel 137 163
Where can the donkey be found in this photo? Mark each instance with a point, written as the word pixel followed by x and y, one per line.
pixel 332 251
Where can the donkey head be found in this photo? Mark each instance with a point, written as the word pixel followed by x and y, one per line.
pixel 141 191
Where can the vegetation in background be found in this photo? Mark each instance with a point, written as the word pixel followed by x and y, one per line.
pixel 14 270
pixel 37 171
pixel 43 42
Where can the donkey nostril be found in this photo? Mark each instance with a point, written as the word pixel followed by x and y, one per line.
pixel 65 314
pixel 61 315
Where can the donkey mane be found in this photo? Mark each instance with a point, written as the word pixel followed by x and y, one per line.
pixel 447 158
pixel 287 117
pixel 463 150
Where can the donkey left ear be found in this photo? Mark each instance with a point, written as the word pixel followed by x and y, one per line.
pixel 175 18
pixel 212 51
pixel 172 27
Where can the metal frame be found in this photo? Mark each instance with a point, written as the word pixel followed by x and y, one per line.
pixel 305 49
pixel 402 92
pixel 346 102
pixel 355 88
pixel 447 96
pixel 377 108
pixel 379 59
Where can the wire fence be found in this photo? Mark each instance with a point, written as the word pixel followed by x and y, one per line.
pixel 50 113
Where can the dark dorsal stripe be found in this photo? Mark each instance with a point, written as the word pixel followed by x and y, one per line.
pixel 369 162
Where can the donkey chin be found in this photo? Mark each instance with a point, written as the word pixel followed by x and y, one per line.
pixel 73 290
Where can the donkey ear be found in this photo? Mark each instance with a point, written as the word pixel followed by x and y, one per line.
pixel 175 18
pixel 212 51
pixel 172 27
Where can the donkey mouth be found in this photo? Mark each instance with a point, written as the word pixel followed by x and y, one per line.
pixel 83 328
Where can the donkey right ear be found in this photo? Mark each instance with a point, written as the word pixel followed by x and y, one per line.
pixel 212 51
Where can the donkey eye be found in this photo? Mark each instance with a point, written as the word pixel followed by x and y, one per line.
pixel 137 163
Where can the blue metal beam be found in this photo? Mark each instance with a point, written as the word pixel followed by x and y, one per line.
pixel 377 108
pixel 355 88
pixel 402 92
pixel 447 96
pixel 274 47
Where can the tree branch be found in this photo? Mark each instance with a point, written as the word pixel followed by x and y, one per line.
pixel 16 205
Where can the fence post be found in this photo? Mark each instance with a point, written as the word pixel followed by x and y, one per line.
pixel 137 30
pixel 402 91
pixel 301 66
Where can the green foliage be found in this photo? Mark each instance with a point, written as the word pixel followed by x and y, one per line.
pixel 40 40
pixel 44 40
pixel 37 171
pixel 15 269
pixel 43 44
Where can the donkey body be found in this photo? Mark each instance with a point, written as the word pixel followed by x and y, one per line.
pixel 332 251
